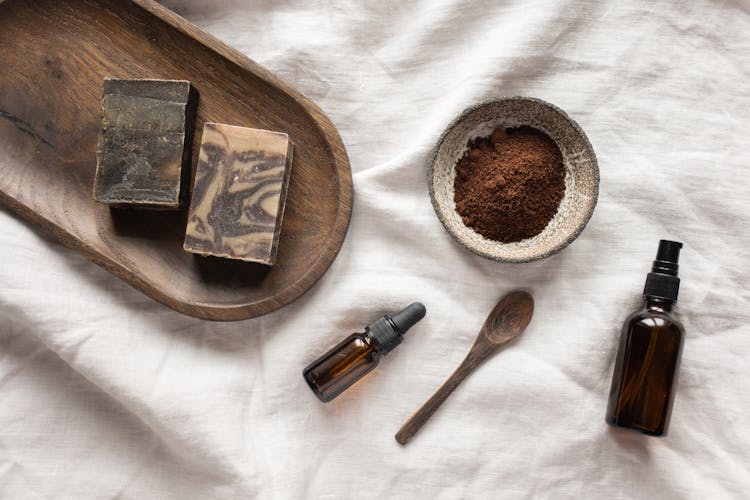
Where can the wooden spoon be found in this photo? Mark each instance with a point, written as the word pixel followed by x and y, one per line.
pixel 508 319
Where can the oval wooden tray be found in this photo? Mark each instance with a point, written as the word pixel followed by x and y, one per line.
pixel 54 55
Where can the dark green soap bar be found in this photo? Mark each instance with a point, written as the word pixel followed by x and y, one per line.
pixel 143 156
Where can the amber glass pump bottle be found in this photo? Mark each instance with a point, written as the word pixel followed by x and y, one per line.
pixel 648 358
pixel 358 354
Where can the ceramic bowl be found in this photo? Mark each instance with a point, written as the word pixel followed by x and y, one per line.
pixel 581 175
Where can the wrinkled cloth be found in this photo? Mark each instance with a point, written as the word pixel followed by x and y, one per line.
pixel 105 393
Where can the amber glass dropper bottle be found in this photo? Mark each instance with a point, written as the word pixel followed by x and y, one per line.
pixel 648 358
pixel 358 354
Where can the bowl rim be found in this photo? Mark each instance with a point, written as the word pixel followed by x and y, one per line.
pixel 457 237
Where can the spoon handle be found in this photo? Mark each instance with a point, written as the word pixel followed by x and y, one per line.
pixel 416 421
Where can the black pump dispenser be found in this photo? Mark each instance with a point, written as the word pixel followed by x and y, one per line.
pixel 662 282
pixel 648 358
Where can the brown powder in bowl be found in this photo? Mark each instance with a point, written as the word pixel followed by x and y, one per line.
pixel 508 186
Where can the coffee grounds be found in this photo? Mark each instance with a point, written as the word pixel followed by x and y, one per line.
pixel 508 186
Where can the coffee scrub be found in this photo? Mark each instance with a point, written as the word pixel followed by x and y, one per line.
pixel 508 186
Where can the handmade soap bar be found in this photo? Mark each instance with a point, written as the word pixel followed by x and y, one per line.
pixel 239 193
pixel 145 143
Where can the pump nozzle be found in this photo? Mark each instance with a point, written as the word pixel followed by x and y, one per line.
pixel 662 282
pixel 667 257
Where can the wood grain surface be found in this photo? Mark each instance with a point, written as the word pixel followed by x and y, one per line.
pixel 54 55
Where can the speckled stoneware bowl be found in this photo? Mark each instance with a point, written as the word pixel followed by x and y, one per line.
pixel 581 175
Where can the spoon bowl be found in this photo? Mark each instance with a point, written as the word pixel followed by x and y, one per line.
pixel 509 318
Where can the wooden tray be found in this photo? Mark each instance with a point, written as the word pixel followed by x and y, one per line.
pixel 53 57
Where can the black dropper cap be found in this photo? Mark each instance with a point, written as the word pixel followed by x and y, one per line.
pixel 388 331
pixel 662 282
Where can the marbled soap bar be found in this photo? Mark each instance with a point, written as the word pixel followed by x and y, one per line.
pixel 239 193
pixel 143 156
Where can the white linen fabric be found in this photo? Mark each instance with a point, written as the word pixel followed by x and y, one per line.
pixel 105 393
